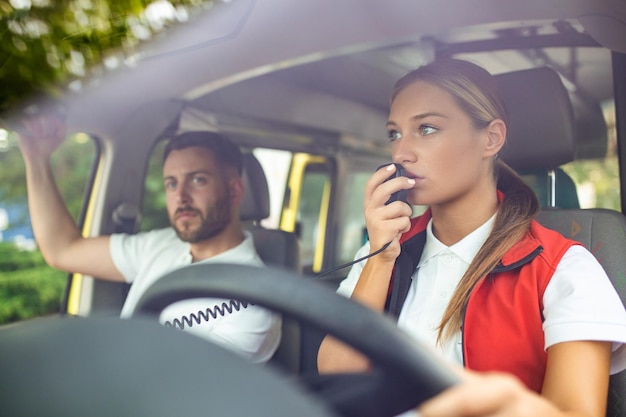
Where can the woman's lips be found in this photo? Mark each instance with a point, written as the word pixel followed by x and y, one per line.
pixel 413 176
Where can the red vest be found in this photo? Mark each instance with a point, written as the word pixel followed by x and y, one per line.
pixel 502 323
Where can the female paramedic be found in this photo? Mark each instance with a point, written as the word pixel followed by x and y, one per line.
pixel 530 314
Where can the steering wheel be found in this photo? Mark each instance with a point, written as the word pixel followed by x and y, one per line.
pixel 405 373
pixel 104 366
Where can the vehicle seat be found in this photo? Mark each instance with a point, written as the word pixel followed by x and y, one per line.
pixel 536 144
pixel 275 247
pixel 603 232
pixel 541 134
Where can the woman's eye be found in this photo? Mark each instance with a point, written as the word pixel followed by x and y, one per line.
pixel 427 130
pixel 393 135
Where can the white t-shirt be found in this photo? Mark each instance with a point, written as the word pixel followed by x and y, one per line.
pixel 246 329
pixel 580 303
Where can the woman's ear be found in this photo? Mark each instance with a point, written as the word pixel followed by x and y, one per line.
pixel 496 137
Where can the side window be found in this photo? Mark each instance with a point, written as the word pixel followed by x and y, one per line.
pixel 596 171
pixel 306 207
pixel 354 233
pixel 275 165
pixel 154 212
pixel 312 214
pixel 28 286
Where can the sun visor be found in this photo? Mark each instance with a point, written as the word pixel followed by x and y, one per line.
pixel 193 119
pixel 608 31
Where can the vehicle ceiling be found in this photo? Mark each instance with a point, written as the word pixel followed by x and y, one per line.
pixel 320 71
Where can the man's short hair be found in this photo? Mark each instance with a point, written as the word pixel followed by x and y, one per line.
pixel 224 151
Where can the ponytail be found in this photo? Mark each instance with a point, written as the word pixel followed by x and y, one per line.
pixel 513 219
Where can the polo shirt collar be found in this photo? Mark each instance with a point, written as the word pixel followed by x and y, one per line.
pixel 466 249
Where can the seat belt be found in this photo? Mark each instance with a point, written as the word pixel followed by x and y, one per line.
pixel 126 217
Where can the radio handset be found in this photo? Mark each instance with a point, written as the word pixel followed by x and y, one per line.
pixel 401 195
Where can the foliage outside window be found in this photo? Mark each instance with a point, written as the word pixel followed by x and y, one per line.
pixel 49 44
pixel 154 210
pixel 28 286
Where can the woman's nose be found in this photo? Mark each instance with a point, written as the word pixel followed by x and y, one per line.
pixel 402 151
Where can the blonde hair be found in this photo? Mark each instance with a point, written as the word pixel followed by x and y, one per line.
pixel 476 92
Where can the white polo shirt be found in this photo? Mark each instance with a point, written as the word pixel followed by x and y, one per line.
pixel 580 302
pixel 145 257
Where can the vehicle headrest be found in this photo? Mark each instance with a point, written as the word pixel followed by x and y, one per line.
pixel 541 119
pixel 256 198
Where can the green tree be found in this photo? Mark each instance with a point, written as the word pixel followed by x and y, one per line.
pixel 48 43
pixel 28 287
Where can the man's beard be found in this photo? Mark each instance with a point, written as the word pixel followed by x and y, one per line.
pixel 218 218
